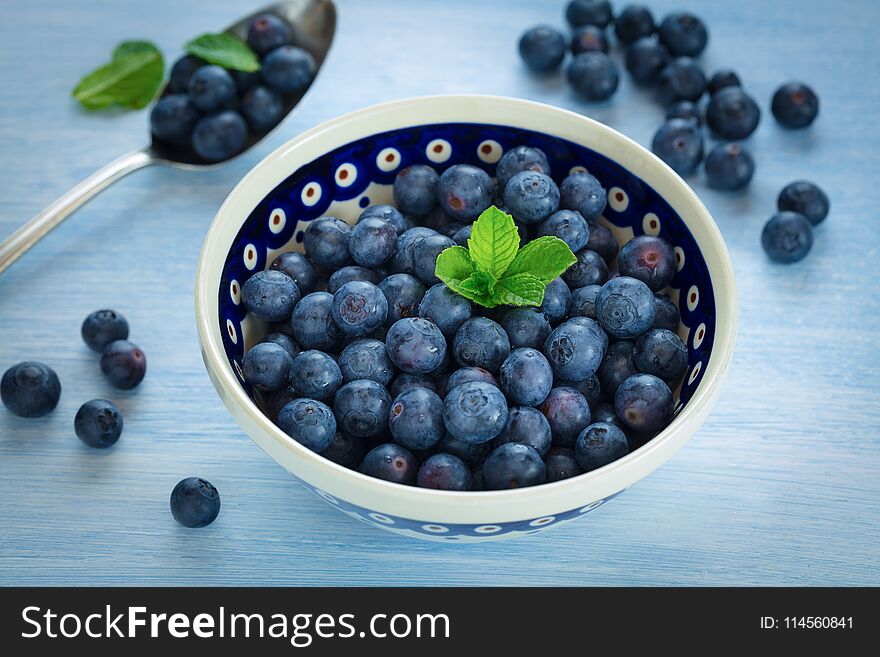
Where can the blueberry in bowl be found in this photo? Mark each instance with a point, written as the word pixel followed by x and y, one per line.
pixel 394 448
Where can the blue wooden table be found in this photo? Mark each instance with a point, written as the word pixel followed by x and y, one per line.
pixel 780 486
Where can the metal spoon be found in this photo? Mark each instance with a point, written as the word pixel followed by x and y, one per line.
pixel 312 25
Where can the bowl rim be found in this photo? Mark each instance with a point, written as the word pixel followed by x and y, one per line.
pixel 471 506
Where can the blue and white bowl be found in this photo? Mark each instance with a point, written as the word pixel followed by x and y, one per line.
pixel 346 164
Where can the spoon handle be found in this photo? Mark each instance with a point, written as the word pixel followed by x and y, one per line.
pixel 40 224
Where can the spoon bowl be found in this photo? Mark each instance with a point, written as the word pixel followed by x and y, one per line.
pixel 312 25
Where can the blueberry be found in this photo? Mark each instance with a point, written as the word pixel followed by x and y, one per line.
pixel 373 242
pixel 557 301
pixel 462 235
pixel 444 472
pixel 30 389
pixel 182 71
pixel 527 426
pixel 633 23
pixel 270 295
pixel 588 39
pixel 732 113
pixel 195 502
pixel 404 294
pixel 526 377
pixel 471 453
pixel 722 79
pixel 602 241
pixel 415 345
pixel 584 193
pixel 475 412
pixel 589 269
pixel 445 308
pixel 211 88
pixel 644 403
pixel 683 34
pixel 795 105
pixel 246 80
pixel 525 327
pixel 679 143
pixel 402 262
pixel 684 109
pixel 600 444
pixel 173 118
pixel 645 59
pixel 667 315
pixel 298 267
pixel 662 353
pixel 805 198
pixel 392 463
pixel 561 463
pixel 468 374
pixel 284 341
pixel 425 252
pixel 616 366
pixel 267 32
pixel 366 359
pixel 513 465
pixel 649 259
pixel 588 12
pixel 608 414
pixel 312 324
pixel 542 48
pixel 415 189
pixel 593 75
pixel 464 191
pixel 98 423
pixel 590 388
pixel 262 107
pixel 519 159
pixel 124 364
pixel 481 342
pixel 787 237
pixel 567 225
pixel 568 412
pixel 345 450
pixel 729 167
pixel 625 307
pixel 531 196
pixel 326 242
pixel 316 375
pixel 103 327
pixel 680 79
pixel 309 422
pixel 416 418
pixel 386 213
pixel 266 366
pixel 359 308
pixel 219 136
pixel 574 349
pixel 583 301
pixel 351 273
pixel 405 382
pixel 278 399
pixel 288 69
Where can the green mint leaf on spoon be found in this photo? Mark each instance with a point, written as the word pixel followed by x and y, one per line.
pixel 131 79
pixel 493 271
pixel 224 50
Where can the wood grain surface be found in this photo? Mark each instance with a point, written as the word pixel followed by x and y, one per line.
pixel 780 486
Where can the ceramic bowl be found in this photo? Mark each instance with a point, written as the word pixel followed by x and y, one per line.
pixel 346 164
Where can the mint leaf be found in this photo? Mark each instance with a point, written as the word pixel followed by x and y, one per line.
pixel 478 287
pixel 519 290
pixel 544 258
pixel 224 50
pixel 454 265
pixel 493 242
pixel 131 79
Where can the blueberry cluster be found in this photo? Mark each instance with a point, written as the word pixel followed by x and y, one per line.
pixel 376 365
pixel 212 109
pixel 663 56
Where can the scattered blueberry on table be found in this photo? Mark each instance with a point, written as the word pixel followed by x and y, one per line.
pixel 30 389
pixel 98 423
pixel 195 502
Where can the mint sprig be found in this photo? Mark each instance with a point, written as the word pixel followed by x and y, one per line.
pixel 493 271
pixel 224 50
pixel 131 79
